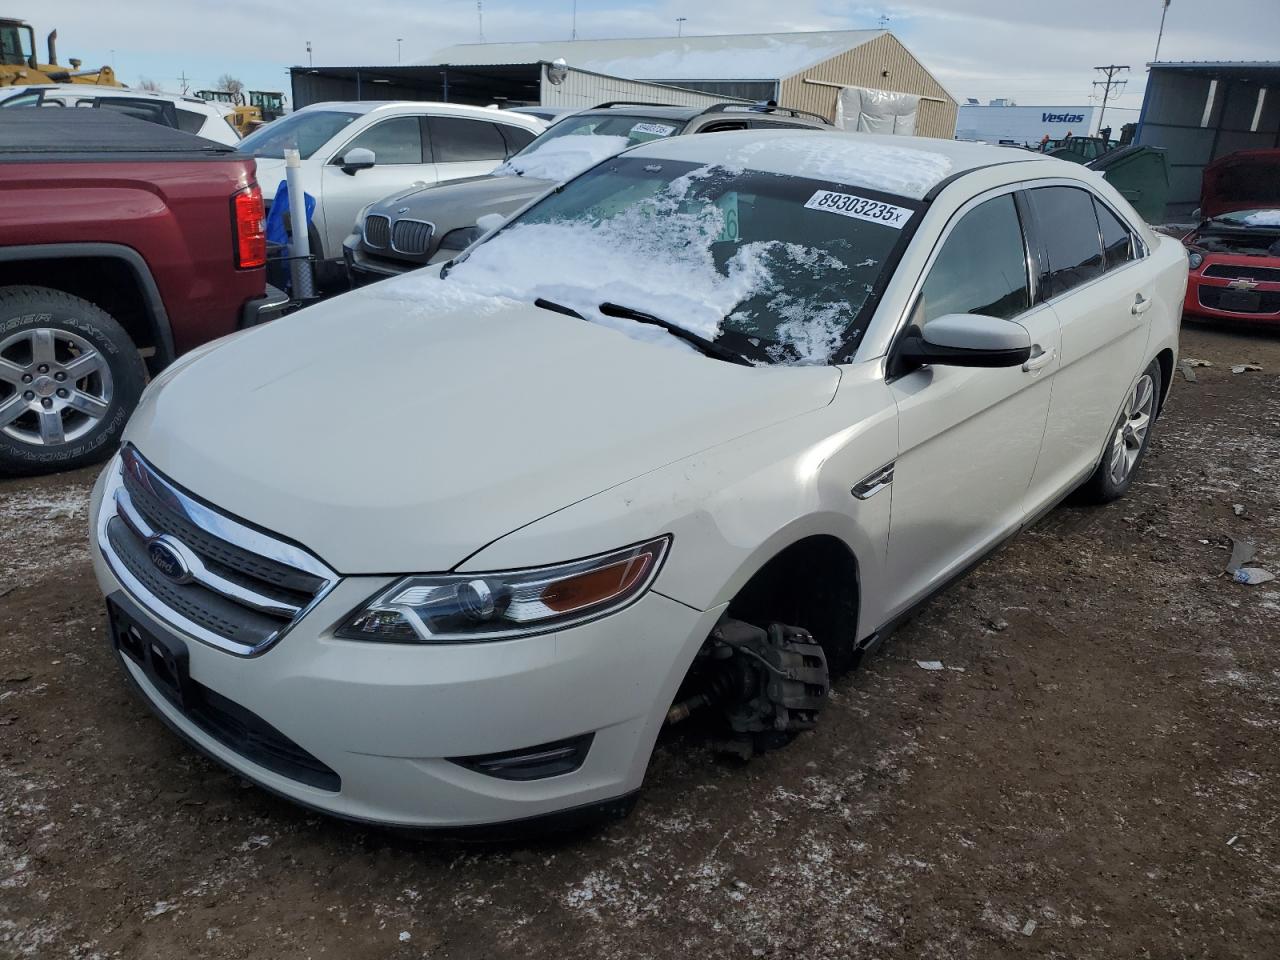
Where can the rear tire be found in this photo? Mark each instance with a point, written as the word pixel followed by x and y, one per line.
pixel 1127 442
pixel 69 379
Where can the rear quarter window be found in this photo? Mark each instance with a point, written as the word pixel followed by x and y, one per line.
pixel 189 121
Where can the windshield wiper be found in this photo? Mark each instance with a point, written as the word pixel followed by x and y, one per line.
pixel 708 347
pixel 554 307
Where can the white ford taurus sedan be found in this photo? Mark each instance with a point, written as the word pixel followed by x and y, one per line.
pixel 685 437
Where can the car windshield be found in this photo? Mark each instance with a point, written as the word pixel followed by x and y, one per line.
pixel 777 268
pixel 579 142
pixel 307 131
pixel 1265 217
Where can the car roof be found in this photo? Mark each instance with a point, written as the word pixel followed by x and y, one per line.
pixel 414 106
pixel 907 166
pixel 90 91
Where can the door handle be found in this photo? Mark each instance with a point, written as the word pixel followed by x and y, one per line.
pixel 1039 358
pixel 1140 305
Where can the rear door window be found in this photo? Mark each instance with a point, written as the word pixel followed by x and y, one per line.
pixel 397 140
pixel 982 267
pixel 1070 245
pixel 1117 241
pixel 461 140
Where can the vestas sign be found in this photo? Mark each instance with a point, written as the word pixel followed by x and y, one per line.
pixel 1062 118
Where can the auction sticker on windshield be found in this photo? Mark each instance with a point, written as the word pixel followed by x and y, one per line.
pixel 860 208
pixel 654 129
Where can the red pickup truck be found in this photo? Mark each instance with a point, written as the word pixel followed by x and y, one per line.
pixel 123 244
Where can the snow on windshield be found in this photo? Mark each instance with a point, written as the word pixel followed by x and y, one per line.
pixel 904 171
pixel 679 259
pixel 1260 218
pixel 562 158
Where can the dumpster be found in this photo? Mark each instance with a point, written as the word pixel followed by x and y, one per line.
pixel 1141 174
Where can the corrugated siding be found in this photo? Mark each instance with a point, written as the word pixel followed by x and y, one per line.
pixel 582 88
pixel 864 66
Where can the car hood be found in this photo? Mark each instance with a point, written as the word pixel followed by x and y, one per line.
pixel 470 198
pixel 390 439
pixel 1247 180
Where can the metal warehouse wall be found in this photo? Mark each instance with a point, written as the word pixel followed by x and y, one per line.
pixel 582 88
pixel 1174 117
pixel 866 66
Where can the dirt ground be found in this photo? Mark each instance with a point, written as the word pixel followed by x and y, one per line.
pixel 1094 774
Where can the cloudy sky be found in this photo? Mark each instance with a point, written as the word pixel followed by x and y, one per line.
pixel 1036 51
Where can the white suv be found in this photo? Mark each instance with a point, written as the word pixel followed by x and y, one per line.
pixel 355 153
pixel 213 121
pixel 687 435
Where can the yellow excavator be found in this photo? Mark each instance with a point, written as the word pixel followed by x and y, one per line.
pixel 18 66
pixel 245 119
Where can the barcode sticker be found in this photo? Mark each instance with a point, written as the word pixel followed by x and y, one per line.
pixel 654 129
pixel 860 208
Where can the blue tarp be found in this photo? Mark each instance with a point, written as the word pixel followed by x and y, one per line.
pixel 276 233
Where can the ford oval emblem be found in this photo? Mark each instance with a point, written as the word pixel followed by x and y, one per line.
pixel 169 561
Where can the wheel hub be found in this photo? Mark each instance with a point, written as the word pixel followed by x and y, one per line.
pixel 44 386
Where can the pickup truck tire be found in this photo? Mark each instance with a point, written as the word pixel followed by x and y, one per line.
pixel 69 379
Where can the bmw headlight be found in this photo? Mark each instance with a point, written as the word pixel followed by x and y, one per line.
pixel 468 607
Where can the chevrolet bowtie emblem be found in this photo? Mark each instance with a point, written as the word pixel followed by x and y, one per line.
pixel 1242 284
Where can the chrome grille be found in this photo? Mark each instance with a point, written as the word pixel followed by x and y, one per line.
pixel 1232 271
pixel 377 231
pixel 411 237
pixel 238 588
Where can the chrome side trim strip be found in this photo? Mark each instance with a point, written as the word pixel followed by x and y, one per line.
pixel 873 484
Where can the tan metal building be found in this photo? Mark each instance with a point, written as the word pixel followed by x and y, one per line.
pixel 805 70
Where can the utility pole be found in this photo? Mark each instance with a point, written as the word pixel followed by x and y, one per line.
pixel 884 21
pixel 680 26
pixel 573 31
pixel 480 17
pixel 185 81
pixel 309 54
pixel 399 40
pixel 1160 36
pixel 1110 71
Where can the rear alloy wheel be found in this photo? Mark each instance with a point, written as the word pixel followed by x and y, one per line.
pixel 69 378
pixel 1128 440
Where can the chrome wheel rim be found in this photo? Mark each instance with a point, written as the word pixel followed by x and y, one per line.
pixel 1131 430
pixel 55 387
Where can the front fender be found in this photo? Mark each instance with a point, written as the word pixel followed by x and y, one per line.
pixel 731 508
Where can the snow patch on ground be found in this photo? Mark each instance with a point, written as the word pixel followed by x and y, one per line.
pixel 34 521
pixel 562 158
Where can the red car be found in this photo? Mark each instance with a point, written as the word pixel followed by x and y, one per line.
pixel 1235 251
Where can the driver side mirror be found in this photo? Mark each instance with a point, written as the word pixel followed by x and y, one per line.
pixel 490 221
pixel 965 340
pixel 357 159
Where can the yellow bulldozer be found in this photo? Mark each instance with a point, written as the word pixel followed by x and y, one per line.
pixel 18 65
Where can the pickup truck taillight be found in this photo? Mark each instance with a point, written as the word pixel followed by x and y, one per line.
pixel 249 224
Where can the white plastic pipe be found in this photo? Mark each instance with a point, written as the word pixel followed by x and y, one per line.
pixel 304 287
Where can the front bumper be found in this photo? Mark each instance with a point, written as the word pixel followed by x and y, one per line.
pixel 1210 297
pixel 363 269
pixel 385 717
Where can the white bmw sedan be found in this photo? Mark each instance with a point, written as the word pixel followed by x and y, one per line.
pixel 685 438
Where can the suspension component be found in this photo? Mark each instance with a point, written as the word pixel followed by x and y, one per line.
pixel 764 681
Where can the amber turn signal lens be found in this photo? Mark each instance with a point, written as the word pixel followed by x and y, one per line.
pixel 596 586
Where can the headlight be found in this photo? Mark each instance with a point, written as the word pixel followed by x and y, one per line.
pixel 1194 260
pixel 460 238
pixel 462 608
